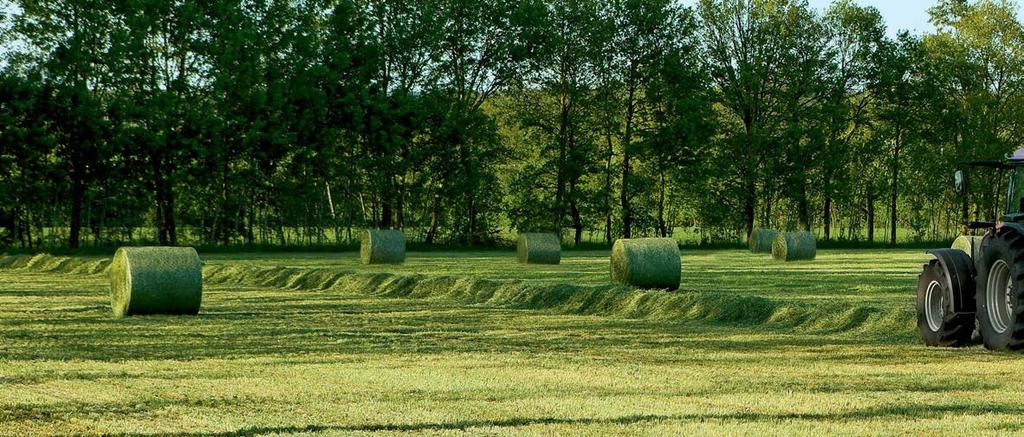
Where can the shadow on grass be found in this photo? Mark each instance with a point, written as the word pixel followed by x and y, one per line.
pixel 272 311
pixel 916 411
pixel 334 325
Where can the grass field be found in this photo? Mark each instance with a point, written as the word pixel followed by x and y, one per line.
pixel 473 342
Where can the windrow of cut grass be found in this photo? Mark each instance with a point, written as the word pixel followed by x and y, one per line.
pixel 891 321
pixel 56 264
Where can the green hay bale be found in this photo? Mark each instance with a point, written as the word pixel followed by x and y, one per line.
pixel 795 246
pixel 647 263
pixel 381 246
pixel 761 240
pixel 532 248
pixel 969 244
pixel 156 280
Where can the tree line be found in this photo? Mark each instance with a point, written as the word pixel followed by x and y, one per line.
pixel 303 121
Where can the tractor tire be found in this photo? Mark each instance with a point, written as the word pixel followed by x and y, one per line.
pixel 1000 291
pixel 940 326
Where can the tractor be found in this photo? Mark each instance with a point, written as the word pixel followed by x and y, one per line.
pixel 966 294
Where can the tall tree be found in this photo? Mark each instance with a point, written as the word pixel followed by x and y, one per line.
pixel 558 112
pixel 72 61
pixel 896 93
pixel 682 116
pixel 644 35
pixel 855 36
pixel 744 52
pixel 487 46
pixel 160 71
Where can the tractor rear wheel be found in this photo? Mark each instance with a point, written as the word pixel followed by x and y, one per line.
pixel 1000 291
pixel 939 324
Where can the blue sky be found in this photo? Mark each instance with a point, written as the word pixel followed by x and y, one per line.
pixel 910 15
pixel 899 15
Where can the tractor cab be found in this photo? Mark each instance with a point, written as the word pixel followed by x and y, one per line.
pixel 1015 189
pixel 1013 167
pixel 970 293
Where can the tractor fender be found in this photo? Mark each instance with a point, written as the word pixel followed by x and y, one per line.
pixel 959 275
pixel 1012 225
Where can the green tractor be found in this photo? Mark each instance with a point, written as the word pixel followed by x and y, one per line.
pixel 964 294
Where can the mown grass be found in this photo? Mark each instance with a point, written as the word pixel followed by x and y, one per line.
pixel 473 342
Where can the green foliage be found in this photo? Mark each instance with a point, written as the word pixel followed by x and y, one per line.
pixel 464 122
pixel 971 245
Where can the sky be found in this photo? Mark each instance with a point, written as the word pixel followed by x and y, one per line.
pixel 899 15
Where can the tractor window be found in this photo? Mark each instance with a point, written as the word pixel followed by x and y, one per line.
pixel 1015 204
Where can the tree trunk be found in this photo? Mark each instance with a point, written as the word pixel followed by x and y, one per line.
pixel 470 190
pixel 399 204
pixel 559 211
pixel 77 197
pixel 826 216
pixel 100 224
pixel 249 235
pixel 435 219
pixel 749 205
pixel 871 218
pixel 577 223
pixel 750 199
pixel 169 223
pixel 627 215
pixel 471 234
pixel 167 234
pixel 627 145
pixel 608 191
pixel 803 206
pixel 28 229
pixel 385 206
pixel 563 146
pixel 577 219
pixel 662 229
pixel 895 187
pixel 158 186
pixel 608 228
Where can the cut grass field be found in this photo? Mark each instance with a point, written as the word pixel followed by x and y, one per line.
pixel 474 342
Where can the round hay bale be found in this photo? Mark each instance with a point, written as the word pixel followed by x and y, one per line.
pixel 795 246
pixel 535 248
pixel 969 244
pixel 647 263
pixel 156 280
pixel 761 240
pixel 382 246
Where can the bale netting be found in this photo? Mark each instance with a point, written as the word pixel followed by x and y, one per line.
pixel 795 246
pixel 647 263
pixel 381 246
pixel 156 280
pixel 761 240
pixel 535 248
pixel 969 244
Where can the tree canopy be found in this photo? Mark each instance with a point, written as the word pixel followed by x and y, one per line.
pixel 301 121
